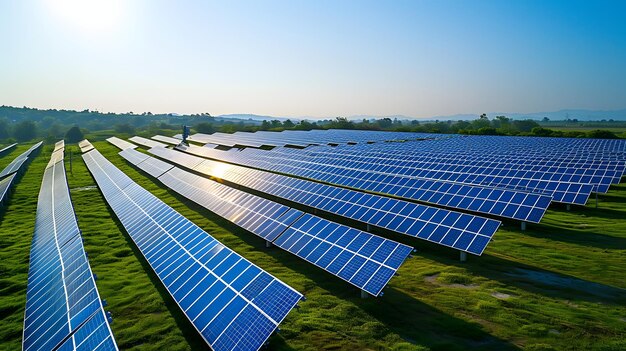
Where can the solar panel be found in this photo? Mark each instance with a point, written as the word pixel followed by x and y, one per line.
pixel 5 187
pixel 230 301
pixel 59 145
pixel 63 307
pixel 122 144
pixel 257 215
pixel 505 203
pixel 365 260
pixel 460 231
pixel 146 142
pixel 20 161
pixel 269 220
pixel 150 165
pixel 5 150
pixel 166 139
pixel 85 146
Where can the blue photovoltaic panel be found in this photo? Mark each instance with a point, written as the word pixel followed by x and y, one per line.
pixel 146 142
pixel 122 144
pixel 63 307
pixel 166 139
pixel 270 220
pixel 20 161
pixel 505 203
pixel 150 165
pixel 5 150
pixel 85 145
pixel 232 303
pixel 5 186
pixel 255 214
pixel 453 229
pixel 365 260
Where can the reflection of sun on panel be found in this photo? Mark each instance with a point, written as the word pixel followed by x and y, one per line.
pixel 220 169
pixel 92 15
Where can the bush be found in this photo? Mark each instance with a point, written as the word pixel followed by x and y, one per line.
pixel 74 135
pixel 601 134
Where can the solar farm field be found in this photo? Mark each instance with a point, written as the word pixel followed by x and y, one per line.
pixel 316 240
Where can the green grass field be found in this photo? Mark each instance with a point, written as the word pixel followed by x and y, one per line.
pixel 560 285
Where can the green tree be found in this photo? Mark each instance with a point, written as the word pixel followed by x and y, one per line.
pixel 601 134
pixel 341 123
pixel 204 127
pixel 74 135
pixel 4 128
pixel 543 132
pixel 265 125
pixel 526 125
pixel 25 130
pixel 124 128
pixel 384 123
pixel 288 124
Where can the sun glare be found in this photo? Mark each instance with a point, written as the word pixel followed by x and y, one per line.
pixel 89 15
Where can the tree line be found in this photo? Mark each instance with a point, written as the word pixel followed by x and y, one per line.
pixel 23 124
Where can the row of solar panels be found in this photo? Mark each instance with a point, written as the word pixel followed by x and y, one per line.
pixel 304 138
pixel 414 157
pixel 232 303
pixel 349 170
pixel 63 308
pixel 505 203
pixel 367 261
pixel 10 174
pixel 458 230
pixel 348 166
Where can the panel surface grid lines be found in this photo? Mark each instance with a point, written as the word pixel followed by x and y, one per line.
pixel 461 231
pixel 121 144
pixel 371 269
pixel 505 203
pixel 63 308
pixel 365 260
pixel 232 303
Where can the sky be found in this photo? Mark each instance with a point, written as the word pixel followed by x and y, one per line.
pixel 313 58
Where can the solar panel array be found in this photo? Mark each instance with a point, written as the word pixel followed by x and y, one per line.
pixel 304 138
pixel 85 146
pixel 269 220
pixel 379 173
pixel 232 303
pixel 63 307
pixel 461 231
pixel 509 177
pixel 498 202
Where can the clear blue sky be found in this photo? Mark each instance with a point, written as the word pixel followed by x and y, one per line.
pixel 313 58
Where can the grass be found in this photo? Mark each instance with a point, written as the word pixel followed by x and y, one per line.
pixel 557 286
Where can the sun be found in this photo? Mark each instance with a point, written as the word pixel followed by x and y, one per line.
pixel 89 15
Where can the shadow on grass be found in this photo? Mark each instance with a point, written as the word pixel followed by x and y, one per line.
pixel 541 281
pixel 586 237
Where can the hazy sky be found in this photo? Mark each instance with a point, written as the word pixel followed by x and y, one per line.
pixel 313 58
